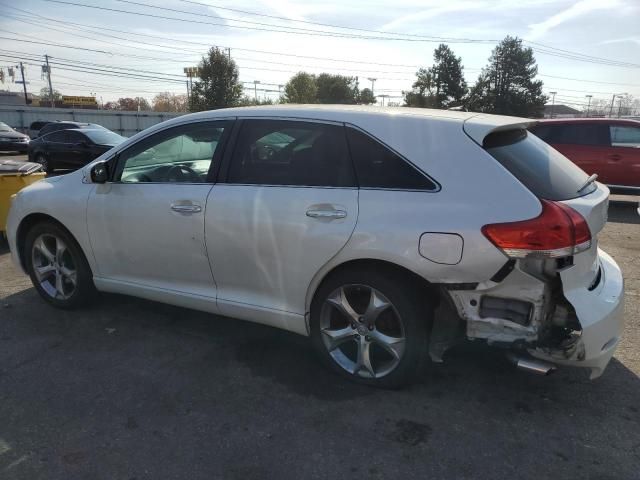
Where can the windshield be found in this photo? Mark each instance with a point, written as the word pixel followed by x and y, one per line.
pixel 5 128
pixel 103 137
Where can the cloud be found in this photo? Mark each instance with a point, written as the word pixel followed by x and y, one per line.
pixel 437 9
pixel 576 10
pixel 635 40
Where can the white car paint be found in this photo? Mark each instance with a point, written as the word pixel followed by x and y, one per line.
pixel 252 252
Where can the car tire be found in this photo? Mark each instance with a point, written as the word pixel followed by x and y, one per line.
pixel 46 164
pixel 57 266
pixel 371 327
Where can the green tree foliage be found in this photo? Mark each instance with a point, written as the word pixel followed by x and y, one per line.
pixel 336 89
pixel 218 85
pixel 366 97
pixel 440 86
pixel 250 101
pixel 448 78
pixel 301 88
pixel 507 84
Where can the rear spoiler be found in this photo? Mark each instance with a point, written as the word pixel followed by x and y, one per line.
pixel 479 126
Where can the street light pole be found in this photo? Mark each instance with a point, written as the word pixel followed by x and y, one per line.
pixel 373 81
pixel 553 102
pixel 588 105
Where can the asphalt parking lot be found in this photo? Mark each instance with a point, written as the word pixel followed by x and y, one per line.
pixel 129 389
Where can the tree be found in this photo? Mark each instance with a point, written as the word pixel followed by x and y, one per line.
pixel 218 85
pixel 45 95
pixel 301 88
pixel 440 86
pixel 248 101
pixel 336 89
pixel 422 93
pixel 366 97
pixel 507 85
pixel 169 102
pixel 133 104
pixel 448 78
pixel 110 106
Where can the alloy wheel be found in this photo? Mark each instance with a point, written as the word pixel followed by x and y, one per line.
pixel 42 160
pixel 54 267
pixel 362 331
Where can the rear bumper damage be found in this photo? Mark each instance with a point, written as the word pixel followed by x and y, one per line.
pixel 600 313
pixel 574 315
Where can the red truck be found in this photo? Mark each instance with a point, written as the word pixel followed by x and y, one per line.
pixel 607 146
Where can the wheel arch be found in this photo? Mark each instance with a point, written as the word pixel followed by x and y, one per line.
pixel 27 223
pixel 386 266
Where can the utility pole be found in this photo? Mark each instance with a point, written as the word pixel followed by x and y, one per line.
pixel 553 103
pixel 24 84
pixel 188 92
pixel 620 97
pixel 229 53
pixel 611 107
pixel 53 104
pixel 255 89
pixel 373 81
pixel 588 105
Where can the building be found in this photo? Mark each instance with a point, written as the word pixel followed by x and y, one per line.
pixel 560 111
pixel 14 98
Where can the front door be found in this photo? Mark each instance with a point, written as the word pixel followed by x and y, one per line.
pixel 147 225
pixel 624 155
pixel 289 204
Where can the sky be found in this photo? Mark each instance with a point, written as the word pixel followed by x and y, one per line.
pixel 402 35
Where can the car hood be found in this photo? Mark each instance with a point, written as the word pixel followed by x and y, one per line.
pixel 12 135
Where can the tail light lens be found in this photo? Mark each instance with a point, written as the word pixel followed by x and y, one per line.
pixel 559 231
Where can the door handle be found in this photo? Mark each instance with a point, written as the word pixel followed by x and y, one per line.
pixel 615 157
pixel 330 214
pixel 188 208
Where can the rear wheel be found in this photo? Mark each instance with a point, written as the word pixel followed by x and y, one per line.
pixel 42 160
pixel 371 327
pixel 58 269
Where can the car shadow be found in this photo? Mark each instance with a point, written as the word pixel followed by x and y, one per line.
pixel 179 371
pixel 624 212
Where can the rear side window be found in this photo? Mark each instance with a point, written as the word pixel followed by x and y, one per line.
pixel 292 153
pixel 625 136
pixel 595 134
pixel 379 167
pixel 57 137
pixel 543 170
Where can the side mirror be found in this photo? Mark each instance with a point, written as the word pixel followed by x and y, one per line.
pixel 100 172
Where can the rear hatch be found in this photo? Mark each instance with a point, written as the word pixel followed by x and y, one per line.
pixel 552 177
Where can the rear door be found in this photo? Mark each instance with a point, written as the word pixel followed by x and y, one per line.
pixel 624 156
pixel 287 205
pixel 77 149
pixel 55 147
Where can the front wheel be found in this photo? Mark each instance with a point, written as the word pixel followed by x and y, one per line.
pixel 371 328
pixel 58 269
pixel 42 160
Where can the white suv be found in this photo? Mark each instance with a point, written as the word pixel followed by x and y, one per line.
pixel 386 235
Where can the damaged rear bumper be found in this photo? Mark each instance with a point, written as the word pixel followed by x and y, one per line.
pixel 600 313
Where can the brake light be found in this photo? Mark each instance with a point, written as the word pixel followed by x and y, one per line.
pixel 559 231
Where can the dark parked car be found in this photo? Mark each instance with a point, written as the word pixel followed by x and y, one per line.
pixel 71 148
pixel 11 140
pixel 64 125
pixel 609 147
pixel 34 128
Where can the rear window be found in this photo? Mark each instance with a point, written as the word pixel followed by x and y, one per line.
pixel 544 171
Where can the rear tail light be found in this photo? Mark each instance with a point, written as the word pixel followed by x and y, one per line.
pixel 559 231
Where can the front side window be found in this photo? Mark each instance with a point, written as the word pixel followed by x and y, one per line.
pixel 625 136
pixel 379 167
pixel 292 153
pixel 180 154
pixel 75 137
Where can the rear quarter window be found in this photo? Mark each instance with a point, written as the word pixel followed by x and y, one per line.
pixel 543 170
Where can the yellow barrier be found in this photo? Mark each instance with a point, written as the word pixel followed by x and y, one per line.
pixel 12 183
